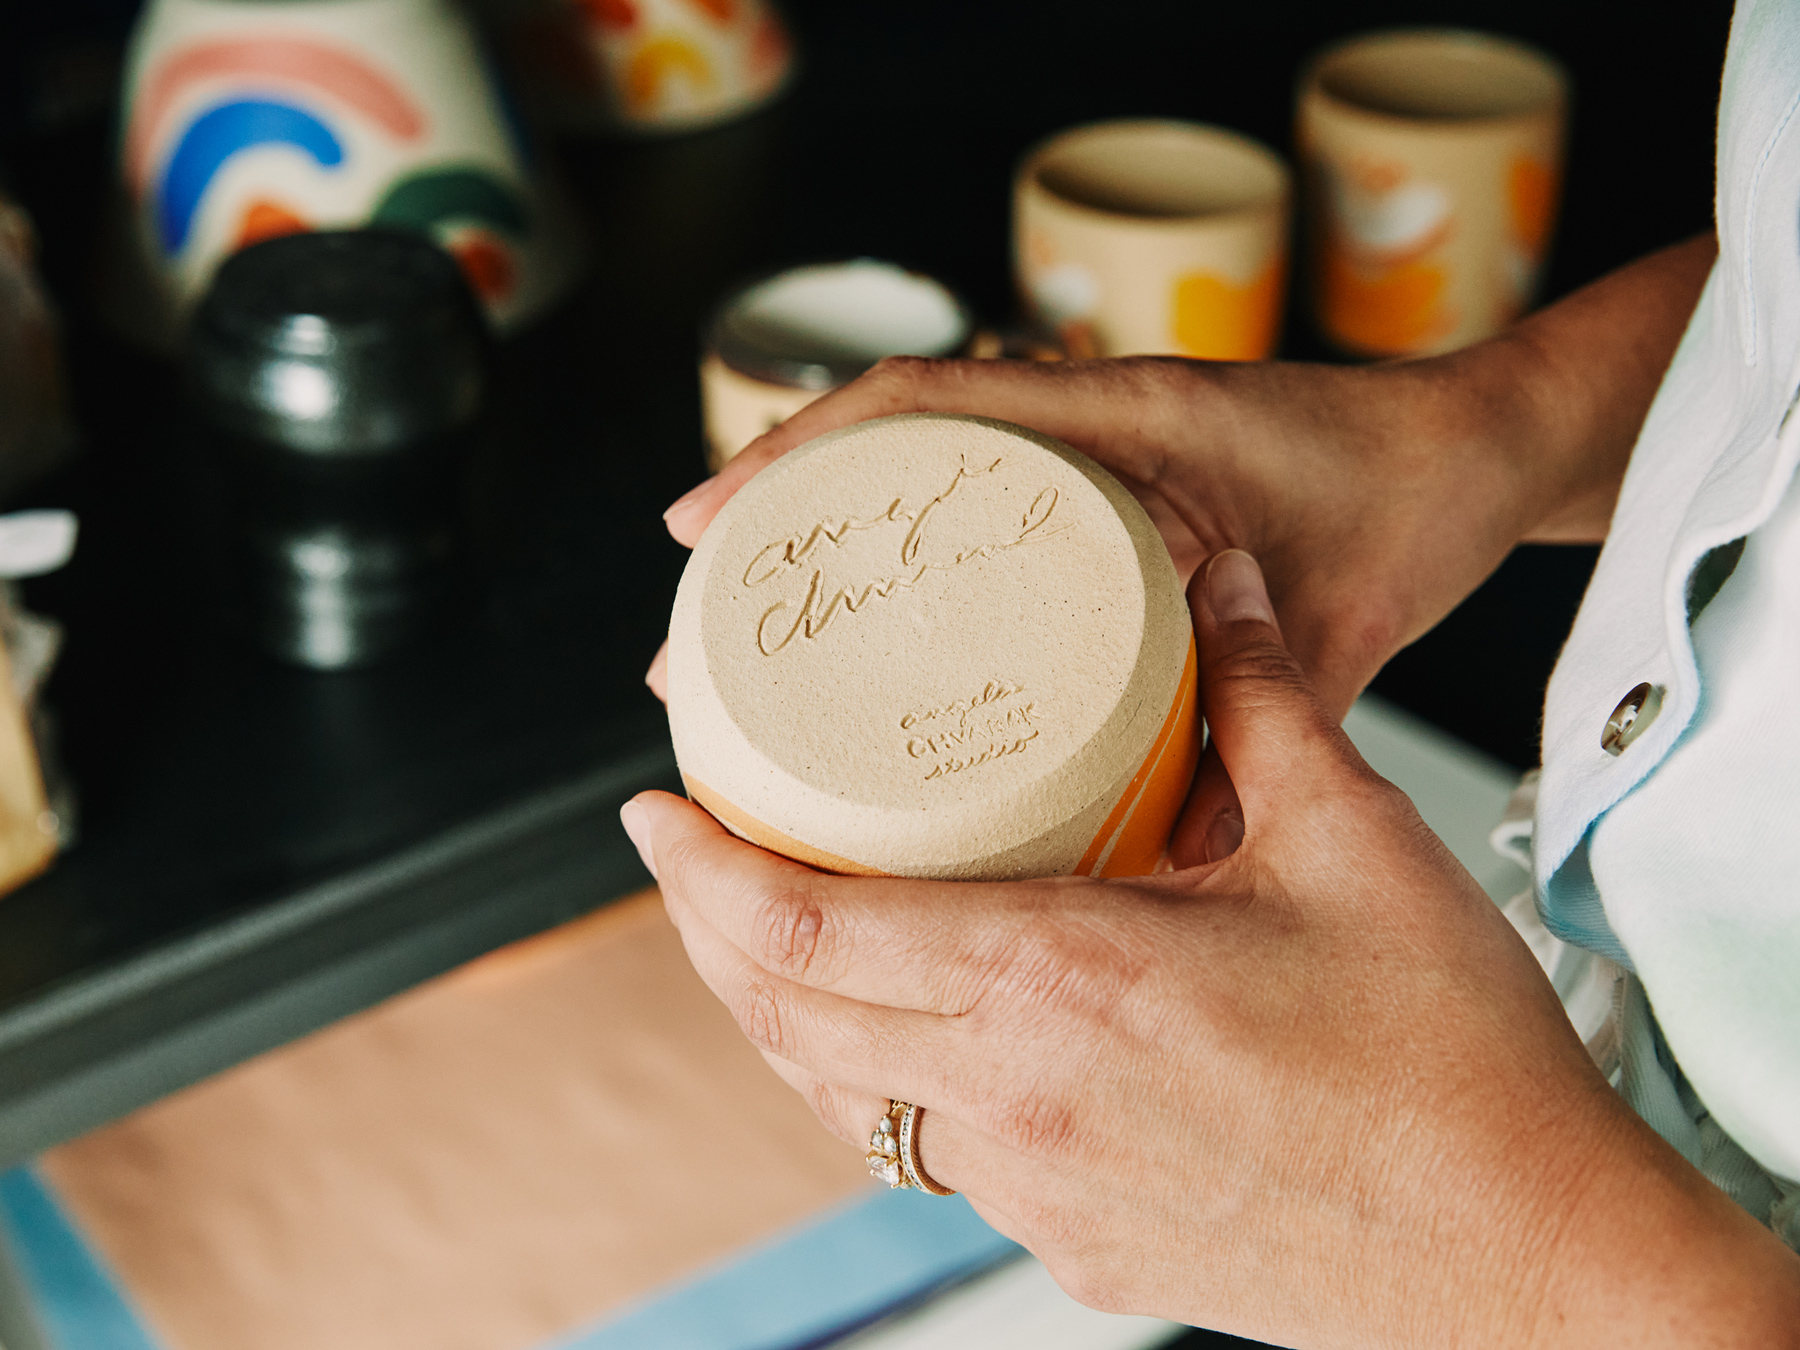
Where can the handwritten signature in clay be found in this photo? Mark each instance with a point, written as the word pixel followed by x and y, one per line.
pixel 781 624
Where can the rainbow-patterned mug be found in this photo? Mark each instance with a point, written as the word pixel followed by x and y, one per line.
pixel 248 120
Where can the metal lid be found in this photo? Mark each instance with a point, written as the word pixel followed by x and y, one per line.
pixel 822 325
pixel 342 343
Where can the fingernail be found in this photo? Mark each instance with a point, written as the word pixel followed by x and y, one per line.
pixel 1224 835
pixel 1235 590
pixel 658 664
pixel 636 821
pixel 687 499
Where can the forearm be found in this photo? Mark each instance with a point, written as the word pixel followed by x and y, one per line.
pixel 1571 384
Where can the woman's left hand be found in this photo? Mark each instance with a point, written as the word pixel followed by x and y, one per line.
pixel 1314 1090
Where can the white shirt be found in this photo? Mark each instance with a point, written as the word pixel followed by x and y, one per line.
pixel 1680 857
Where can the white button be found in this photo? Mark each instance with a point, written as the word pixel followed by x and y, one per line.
pixel 1636 710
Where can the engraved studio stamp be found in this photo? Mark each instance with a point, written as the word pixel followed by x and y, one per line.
pixel 958 736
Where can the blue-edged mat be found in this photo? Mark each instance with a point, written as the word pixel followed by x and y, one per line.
pixel 801 1287
pixel 73 1293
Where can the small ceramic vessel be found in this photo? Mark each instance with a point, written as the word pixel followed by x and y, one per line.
pixel 937 646
pixel 248 119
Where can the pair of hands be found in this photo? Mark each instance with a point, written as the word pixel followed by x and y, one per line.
pixel 1213 1094
pixel 1309 1086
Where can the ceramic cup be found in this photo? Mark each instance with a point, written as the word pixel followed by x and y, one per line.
pixel 647 65
pixel 1433 160
pixel 937 646
pixel 1154 236
pixel 246 120
pixel 776 345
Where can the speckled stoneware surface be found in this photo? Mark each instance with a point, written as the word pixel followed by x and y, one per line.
pixel 936 646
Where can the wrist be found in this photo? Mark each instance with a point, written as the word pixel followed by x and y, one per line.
pixel 1568 388
pixel 1503 422
pixel 1646 1252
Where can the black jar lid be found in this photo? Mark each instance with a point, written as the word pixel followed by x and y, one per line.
pixel 353 342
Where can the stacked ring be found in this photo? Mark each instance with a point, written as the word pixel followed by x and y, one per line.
pixel 909 1154
pixel 883 1156
pixel 893 1154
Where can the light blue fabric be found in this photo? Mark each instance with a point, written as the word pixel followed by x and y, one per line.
pixel 803 1285
pixel 1653 1085
pixel 828 1276
pixel 1569 905
pixel 78 1301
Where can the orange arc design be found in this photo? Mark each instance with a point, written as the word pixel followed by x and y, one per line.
pixel 486 264
pixel 619 14
pixel 299 59
pixel 768 51
pixel 1137 827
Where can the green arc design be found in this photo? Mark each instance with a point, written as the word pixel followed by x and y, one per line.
pixel 423 200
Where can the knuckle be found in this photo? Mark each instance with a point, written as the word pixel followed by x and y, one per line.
pixel 828 1104
pixel 681 860
pixel 903 371
pixel 760 1015
pixel 1078 969
pixel 1260 669
pixel 793 934
pixel 1379 795
pixel 1033 1122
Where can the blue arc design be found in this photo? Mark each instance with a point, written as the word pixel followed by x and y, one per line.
pixel 215 137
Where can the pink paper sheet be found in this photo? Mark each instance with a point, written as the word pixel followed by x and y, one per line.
pixel 484 1163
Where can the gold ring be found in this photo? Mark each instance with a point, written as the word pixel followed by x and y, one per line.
pixel 909 1152
pixel 883 1156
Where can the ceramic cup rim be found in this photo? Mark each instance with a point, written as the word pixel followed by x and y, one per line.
pixel 719 337
pixel 1550 100
pixel 1269 199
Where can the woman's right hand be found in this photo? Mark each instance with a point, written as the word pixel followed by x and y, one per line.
pixel 1300 465
pixel 1376 498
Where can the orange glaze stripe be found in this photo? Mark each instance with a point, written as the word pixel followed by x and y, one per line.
pixel 774 840
pixel 1146 810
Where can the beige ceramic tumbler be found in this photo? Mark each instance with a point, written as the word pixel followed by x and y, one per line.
pixel 775 346
pixel 1433 160
pixel 1154 236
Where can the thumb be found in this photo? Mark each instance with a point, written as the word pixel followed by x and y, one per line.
pixel 1273 737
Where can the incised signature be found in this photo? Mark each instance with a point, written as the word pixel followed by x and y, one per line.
pixel 780 624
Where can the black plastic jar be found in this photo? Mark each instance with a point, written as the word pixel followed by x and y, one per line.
pixel 339 375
